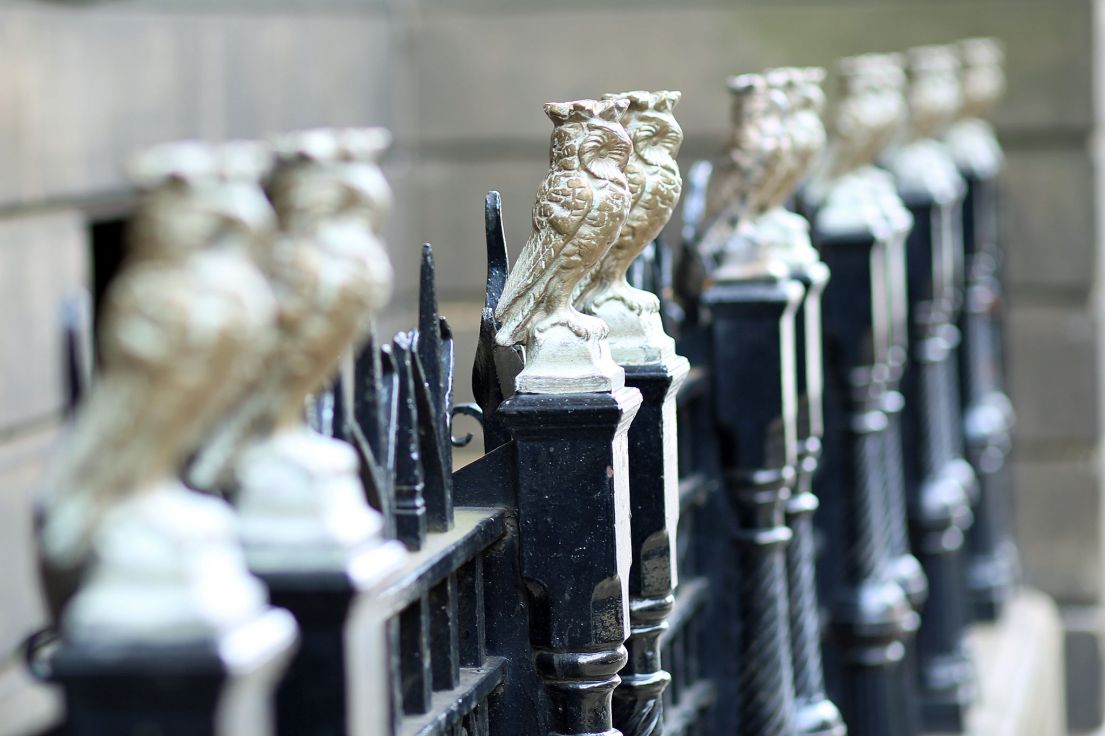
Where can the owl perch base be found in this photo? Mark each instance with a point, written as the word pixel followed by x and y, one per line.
pixel 636 337
pixel 787 235
pixel 167 569
pixel 561 362
pixel 301 505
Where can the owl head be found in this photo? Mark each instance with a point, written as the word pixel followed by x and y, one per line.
pixel 652 126
pixel 751 101
pixel 934 94
pixel 983 77
pixel 304 187
pixel 761 136
pixel 760 109
pixel 328 173
pixel 588 134
pixel 197 195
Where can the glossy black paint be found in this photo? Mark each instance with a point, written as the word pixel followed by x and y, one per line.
pixel 638 700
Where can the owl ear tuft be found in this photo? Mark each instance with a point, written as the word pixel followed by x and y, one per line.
pixel 975 52
pixel 363 144
pixel 317 145
pixel 176 164
pixel 558 112
pixel 746 84
pixel 613 109
pixel 667 100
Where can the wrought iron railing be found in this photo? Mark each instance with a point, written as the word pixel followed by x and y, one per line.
pixel 803 560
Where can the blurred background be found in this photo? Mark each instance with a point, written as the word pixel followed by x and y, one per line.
pixel 461 84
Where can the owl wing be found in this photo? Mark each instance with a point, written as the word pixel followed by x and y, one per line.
pixel 103 451
pixel 731 184
pixel 294 275
pixel 636 175
pixel 665 196
pixel 562 206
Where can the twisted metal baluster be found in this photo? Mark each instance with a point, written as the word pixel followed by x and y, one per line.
pixel 815 713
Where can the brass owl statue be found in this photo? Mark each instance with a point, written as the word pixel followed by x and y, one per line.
pixel 633 315
pixel 803 88
pixel 581 207
pixel 739 182
pixel 186 321
pixel 327 289
pixel 298 492
pixel 922 164
pixel 779 233
pixel 972 139
pixel 935 95
pixel 853 194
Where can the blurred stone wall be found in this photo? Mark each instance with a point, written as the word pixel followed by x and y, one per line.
pixel 461 86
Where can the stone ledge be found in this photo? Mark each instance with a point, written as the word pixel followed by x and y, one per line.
pixel 1020 671
pixel 1083 634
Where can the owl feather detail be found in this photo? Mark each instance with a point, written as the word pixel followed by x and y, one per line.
pixel 181 324
pixel 655 185
pixel 330 274
pixel 581 207
pixel 748 170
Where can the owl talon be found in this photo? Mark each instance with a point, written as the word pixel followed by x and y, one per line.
pixel 580 330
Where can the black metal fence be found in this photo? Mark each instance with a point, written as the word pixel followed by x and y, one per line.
pixel 865 387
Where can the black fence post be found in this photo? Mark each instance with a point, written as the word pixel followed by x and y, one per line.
pixel 986 409
pixel 307 527
pixel 654 509
pixel 940 483
pixel 756 409
pixel 869 612
pixel 654 504
pixel 573 515
pixel 640 346
pixel 569 413
pixel 207 688
pixel 160 626
pixel 905 568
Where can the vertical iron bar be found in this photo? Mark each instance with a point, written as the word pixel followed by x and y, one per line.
pixel 433 385
pixel 410 504
pixel 816 714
